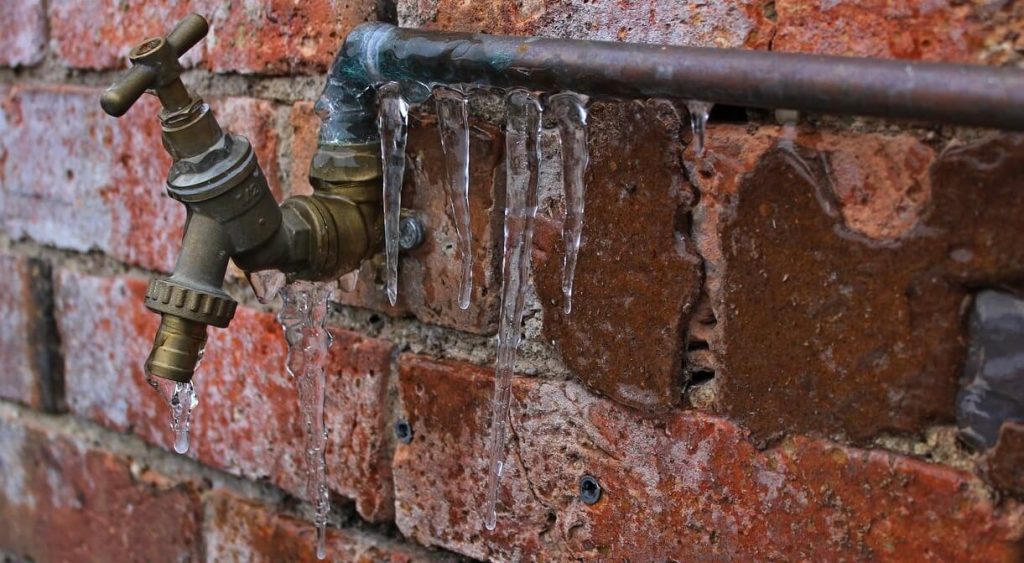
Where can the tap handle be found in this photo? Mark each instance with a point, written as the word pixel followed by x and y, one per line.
pixel 155 67
pixel 187 33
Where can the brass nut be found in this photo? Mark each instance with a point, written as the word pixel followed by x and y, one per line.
pixel 166 296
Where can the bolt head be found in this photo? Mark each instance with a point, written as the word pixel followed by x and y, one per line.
pixel 590 489
pixel 410 233
pixel 403 431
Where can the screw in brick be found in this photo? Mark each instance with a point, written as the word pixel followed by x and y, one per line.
pixel 410 232
pixel 403 431
pixel 590 489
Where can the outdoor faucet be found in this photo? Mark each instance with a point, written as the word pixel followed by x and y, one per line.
pixel 231 213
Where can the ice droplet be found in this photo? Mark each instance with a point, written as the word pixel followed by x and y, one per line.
pixel 453 125
pixel 522 156
pixel 571 116
pixel 393 125
pixel 699 112
pixel 302 317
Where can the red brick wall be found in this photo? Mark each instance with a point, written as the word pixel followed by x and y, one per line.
pixel 749 372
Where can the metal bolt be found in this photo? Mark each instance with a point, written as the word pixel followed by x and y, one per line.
pixel 403 431
pixel 410 232
pixel 590 489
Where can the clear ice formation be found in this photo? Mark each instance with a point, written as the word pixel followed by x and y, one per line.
pixel 787 132
pixel 993 376
pixel 266 284
pixel 302 317
pixel 571 117
pixel 182 399
pixel 522 157
pixel 393 124
pixel 453 125
pixel 699 112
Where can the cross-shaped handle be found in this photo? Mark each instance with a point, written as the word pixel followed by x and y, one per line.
pixel 155 68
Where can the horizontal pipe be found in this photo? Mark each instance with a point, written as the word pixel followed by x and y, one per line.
pixel 936 92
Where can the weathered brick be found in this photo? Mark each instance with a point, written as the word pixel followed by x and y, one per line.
pixel 945 30
pixel 23 42
pixel 62 498
pixel 267 37
pixel 823 324
pixel 736 23
pixel 636 280
pixel 76 178
pixel 1004 464
pixel 429 275
pixel 279 36
pixel 242 530
pixel 247 421
pixel 689 473
pixel 27 371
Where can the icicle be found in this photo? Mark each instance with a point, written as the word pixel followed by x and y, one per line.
pixel 522 155
pixel 393 124
pixel 571 114
pixel 699 112
pixel 787 133
pixel 265 284
pixel 182 399
pixel 453 124
pixel 302 318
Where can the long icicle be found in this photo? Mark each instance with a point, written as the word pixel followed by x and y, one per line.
pixel 302 318
pixel 522 157
pixel 393 124
pixel 453 125
pixel 571 116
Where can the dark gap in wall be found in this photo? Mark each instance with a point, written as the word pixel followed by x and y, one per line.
pixel 728 114
pixel 48 360
pixel 699 377
pixel 697 345
pixel 387 11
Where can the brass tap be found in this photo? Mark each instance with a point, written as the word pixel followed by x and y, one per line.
pixel 231 211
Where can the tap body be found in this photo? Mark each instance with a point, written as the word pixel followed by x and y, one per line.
pixel 231 212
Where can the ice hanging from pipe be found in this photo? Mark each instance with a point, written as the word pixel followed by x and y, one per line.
pixel 302 317
pixel 453 125
pixel 393 125
pixel 571 117
pixel 522 157
pixel 699 112
pixel 181 397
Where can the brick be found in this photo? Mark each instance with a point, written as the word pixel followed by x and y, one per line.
pixel 739 23
pixel 280 36
pixel 107 192
pixel 28 373
pixel 824 326
pixel 429 275
pixel 1004 464
pixel 269 37
pixel 691 473
pixel 247 420
pixel 636 281
pixel 242 530
pixel 24 40
pixel 62 498
pixel 935 31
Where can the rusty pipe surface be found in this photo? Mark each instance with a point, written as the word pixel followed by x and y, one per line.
pixel 936 92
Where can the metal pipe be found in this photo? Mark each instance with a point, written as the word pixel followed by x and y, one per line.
pixel 936 92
